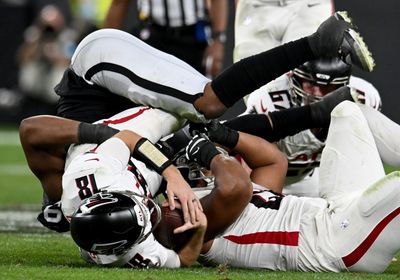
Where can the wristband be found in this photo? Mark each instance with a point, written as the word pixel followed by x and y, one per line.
pixel 95 133
pixel 151 155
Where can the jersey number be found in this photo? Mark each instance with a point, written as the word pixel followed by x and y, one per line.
pixel 280 99
pixel 86 185
pixel 138 261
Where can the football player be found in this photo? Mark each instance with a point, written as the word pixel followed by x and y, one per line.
pixel 265 24
pixel 110 68
pixel 354 227
pixel 44 139
pixel 103 185
pixel 306 84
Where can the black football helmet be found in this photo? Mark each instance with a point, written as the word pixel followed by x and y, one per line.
pixel 112 222
pixel 322 72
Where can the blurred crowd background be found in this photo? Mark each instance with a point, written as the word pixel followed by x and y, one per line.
pixel 38 37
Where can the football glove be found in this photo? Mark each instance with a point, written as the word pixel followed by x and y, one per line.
pixel 216 132
pixel 53 218
pixel 201 150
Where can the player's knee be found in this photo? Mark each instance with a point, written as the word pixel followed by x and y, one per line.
pixel 383 194
pixel 345 109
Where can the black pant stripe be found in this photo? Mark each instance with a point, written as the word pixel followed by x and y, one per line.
pixel 160 89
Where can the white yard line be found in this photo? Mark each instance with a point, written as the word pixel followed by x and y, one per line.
pixel 20 221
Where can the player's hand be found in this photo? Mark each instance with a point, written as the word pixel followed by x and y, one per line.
pixel 221 134
pixel 201 221
pixel 178 188
pixel 216 132
pixel 201 150
pixel 53 218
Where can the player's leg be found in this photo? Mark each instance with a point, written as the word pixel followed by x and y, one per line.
pixel 150 77
pixel 126 66
pixel 334 37
pixel 309 186
pixel 308 15
pixel 386 134
pixel 362 222
pixel 350 160
pixel 256 28
pixel 366 233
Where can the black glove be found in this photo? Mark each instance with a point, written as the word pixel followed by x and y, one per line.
pixel 221 134
pixel 53 218
pixel 201 150
pixel 216 132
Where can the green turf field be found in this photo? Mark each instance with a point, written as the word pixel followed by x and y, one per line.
pixel 46 255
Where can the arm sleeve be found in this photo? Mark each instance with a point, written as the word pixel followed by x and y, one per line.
pixel 250 73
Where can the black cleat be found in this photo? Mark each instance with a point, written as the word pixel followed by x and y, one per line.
pixel 337 37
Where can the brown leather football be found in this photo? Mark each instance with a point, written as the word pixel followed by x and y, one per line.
pixel 164 232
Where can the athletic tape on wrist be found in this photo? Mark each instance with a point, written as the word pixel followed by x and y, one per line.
pixel 151 155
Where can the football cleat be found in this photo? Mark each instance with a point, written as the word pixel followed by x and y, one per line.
pixel 338 37
pixel 355 51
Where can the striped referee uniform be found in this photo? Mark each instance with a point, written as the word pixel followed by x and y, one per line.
pixel 178 27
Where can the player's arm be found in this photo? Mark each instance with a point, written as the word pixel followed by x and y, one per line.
pixel 116 14
pixel 145 151
pixel 44 139
pixel 191 251
pixel 268 164
pixel 233 188
pixel 214 53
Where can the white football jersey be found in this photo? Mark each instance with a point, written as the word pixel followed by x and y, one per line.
pixel 91 168
pixel 109 167
pixel 354 228
pixel 304 149
pixel 269 234
pixel 146 254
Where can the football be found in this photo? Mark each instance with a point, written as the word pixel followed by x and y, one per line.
pixel 164 232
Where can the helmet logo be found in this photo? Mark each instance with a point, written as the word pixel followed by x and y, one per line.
pixel 323 76
pixel 97 200
pixel 109 248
